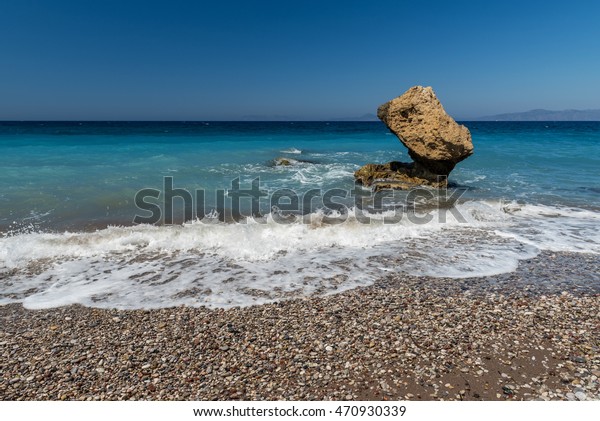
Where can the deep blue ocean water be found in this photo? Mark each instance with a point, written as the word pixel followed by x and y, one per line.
pixel 528 187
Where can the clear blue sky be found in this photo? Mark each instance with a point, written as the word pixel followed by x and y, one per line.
pixel 196 60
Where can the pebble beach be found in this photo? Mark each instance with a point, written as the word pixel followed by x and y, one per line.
pixel 533 334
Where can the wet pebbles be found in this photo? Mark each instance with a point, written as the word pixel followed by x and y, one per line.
pixel 533 334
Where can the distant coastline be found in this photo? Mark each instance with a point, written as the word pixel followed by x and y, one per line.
pixel 544 115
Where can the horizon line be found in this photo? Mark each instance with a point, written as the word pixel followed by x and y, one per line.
pixel 472 120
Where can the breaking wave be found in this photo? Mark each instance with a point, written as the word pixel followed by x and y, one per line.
pixel 236 264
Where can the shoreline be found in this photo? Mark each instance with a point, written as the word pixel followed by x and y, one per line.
pixel 532 334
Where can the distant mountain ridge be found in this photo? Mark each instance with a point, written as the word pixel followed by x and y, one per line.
pixel 545 115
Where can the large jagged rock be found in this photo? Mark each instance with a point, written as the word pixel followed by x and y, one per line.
pixel 434 140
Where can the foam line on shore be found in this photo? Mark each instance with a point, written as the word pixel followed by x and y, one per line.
pixel 225 265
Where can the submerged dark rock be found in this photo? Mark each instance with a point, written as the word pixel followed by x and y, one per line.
pixel 287 162
pixel 396 175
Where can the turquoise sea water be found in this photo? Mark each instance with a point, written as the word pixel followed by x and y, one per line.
pixel 67 205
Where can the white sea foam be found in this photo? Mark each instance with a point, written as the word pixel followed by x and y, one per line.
pixel 33 215
pixel 475 179
pixel 292 151
pixel 318 174
pixel 224 265
pixel 554 228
